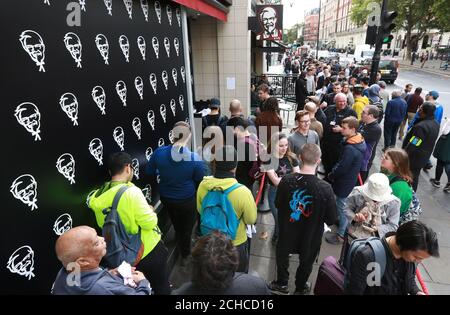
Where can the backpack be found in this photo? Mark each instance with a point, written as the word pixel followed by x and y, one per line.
pixel 380 109
pixel 378 250
pixel 120 246
pixel 218 214
pixel 415 208
pixel 255 171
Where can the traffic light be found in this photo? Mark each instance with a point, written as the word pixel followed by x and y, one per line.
pixel 371 35
pixel 387 26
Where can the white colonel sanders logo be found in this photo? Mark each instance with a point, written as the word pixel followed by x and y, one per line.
pixel 139 85
pixel 99 97
pixel 69 105
pixel 24 188
pixel 129 6
pixel 121 89
pixel 153 82
pixel 183 74
pixel 171 136
pixel 82 4
pixel 47 2
pixel 165 78
pixel 169 14
pixel 73 45
pixel 28 115
pixel 135 166
pixel 144 7
pixel 125 47
pixel 151 119
pixel 108 4
pixel 147 191
pixel 22 262
pixel 62 224
pixel 142 46
pixel 33 44
pixel 175 76
pixel 155 44
pixel 148 153
pixel 158 10
pixel 66 166
pixel 136 124
pixel 103 47
pixel 161 142
pixel 167 46
pixel 119 137
pixel 176 44
pixel 173 107
pixel 181 101
pixel 96 150
pixel 178 14
pixel 162 111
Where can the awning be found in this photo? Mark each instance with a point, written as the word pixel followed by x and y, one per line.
pixel 205 7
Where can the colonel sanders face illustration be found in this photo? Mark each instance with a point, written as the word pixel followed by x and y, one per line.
pixel 96 150
pixel 33 44
pixel 136 125
pixel 176 44
pixel 181 101
pixel 183 74
pixel 121 90
pixel 147 191
pixel 66 166
pixel 148 153
pixel 47 2
pixel 108 4
pixel 178 14
pixel 135 166
pixel 169 14
pixel 158 11
pixel 119 137
pixel 28 115
pixel 24 188
pixel 22 262
pixel 173 107
pixel 175 76
pixel 155 44
pixel 139 85
pixel 129 6
pixel 144 7
pixel 167 46
pixel 69 105
pixel 73 45
pixel 268 19
pixel 151 119
pixel 161 142
pixel 125 47
pixel 171 136
pixel 162 110
pixel 165 78
pixel 62 224
pixel 142 46
pixel 153 82
pixel 103 47
pixel 99 97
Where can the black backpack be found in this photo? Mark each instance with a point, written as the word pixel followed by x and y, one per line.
pixel 380 109
pixel 120 246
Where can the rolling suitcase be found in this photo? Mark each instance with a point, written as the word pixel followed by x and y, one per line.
pixel 330 278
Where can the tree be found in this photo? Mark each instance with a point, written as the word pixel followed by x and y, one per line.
pixel 420 15
pixel 291 35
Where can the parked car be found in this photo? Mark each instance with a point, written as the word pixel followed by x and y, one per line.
pixel 388 66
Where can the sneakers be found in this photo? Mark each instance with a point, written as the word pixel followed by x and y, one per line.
pixel 435 183
pixel 306 290
pixel 447 188
pixel 278 289
pixel 334 238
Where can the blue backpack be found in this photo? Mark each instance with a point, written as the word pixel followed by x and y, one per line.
pixel 120 246
pixel 217 213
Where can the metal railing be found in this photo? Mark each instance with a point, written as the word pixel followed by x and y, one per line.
pixel 281 85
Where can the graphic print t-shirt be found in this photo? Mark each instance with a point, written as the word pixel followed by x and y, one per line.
pixel 281 166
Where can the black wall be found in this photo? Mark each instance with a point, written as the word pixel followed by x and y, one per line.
pixel 22 153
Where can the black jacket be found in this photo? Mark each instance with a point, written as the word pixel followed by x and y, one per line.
pixel 372 134
pixel 304 203
pixel 419 142
pixel 330 137
pixel 398 278
pixel 300 92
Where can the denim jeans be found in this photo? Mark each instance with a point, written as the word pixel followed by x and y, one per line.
pixel 273 208
pixel 340 204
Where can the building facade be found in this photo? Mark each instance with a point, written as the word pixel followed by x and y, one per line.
pixel 311 28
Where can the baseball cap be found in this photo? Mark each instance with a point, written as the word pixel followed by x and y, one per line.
pixel 434 94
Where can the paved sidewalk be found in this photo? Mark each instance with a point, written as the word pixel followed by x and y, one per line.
pixel 431 66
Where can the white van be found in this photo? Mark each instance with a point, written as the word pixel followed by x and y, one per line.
pixel 363 52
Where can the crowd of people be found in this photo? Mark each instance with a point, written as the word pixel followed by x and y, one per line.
pixel 211 192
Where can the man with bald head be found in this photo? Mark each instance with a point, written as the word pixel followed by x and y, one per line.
pixel 332 138
pixel 80 250
pixel 235 109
